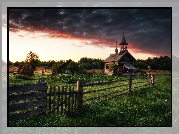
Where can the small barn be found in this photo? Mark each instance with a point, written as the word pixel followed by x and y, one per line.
pixel 123 59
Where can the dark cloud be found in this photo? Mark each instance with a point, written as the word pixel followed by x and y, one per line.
pixel 146 30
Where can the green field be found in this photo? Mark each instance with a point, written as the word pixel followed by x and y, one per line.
pixel 64 79
pixel 147 106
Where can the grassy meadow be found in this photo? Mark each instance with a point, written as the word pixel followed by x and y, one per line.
pixel 147 106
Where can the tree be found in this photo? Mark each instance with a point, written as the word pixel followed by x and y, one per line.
pixel 33 60
pixel 114 68
pixel 51 63
pixel 73 67
pixel 90 63
pixel 82 68
pixel 26 70
pixel 16 64
pixel 10 63
pixel 19 68
pixel 156 63
pixel 55 68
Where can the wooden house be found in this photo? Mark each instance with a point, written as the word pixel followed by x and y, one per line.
pixel 123 59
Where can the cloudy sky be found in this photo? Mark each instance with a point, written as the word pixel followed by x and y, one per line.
pixel 66 33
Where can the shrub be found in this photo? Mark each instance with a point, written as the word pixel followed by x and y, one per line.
pixel 23 77
pixel 20 67
pixel 27 70
pixel 55 68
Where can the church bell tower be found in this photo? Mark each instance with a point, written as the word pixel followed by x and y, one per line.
pixel 123 44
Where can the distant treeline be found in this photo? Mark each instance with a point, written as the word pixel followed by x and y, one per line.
pixel 86 63
pixel 156 63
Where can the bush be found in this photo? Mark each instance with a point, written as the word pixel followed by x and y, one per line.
pixel 23 77
pixel 27 70
pixel 20 67
pixel 55 68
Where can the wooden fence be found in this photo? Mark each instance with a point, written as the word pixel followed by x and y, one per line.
pixel 27 100
pixel 106 93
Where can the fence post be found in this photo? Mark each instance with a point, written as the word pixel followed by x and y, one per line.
pixel 79 94
pixel 130 82
pixel 43 88
pixel 152 80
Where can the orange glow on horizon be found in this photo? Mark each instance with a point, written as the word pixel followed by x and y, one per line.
pixel 62 46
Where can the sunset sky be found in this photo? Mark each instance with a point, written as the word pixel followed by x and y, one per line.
pixel 66 33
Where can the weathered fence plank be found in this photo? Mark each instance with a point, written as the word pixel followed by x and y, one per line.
pixel 69 97
pixel 62 99
pixel 26 105
pixel 130 82
pixel 33 95
pixel 75 101
pixel 24 88
pixel 104 82
pixel 58 99
pixel 79 94
pixel 101 89
pixel 17 116
pixel 72 95
pixel 50 94
pixel 65 99
pixel 104 95
pixel 71 100
pixel 27 100
pixel 54 97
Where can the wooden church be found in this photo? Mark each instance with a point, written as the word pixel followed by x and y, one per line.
pixel 123 59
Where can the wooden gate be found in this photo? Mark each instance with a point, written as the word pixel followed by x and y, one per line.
pixel 62 100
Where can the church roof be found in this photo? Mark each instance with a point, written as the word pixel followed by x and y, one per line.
pixel 117 56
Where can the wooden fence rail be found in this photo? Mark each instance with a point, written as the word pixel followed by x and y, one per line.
pixel 102 89
pixel 103 82
pixel 27 100
pixel 127 88
pixel 112 95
